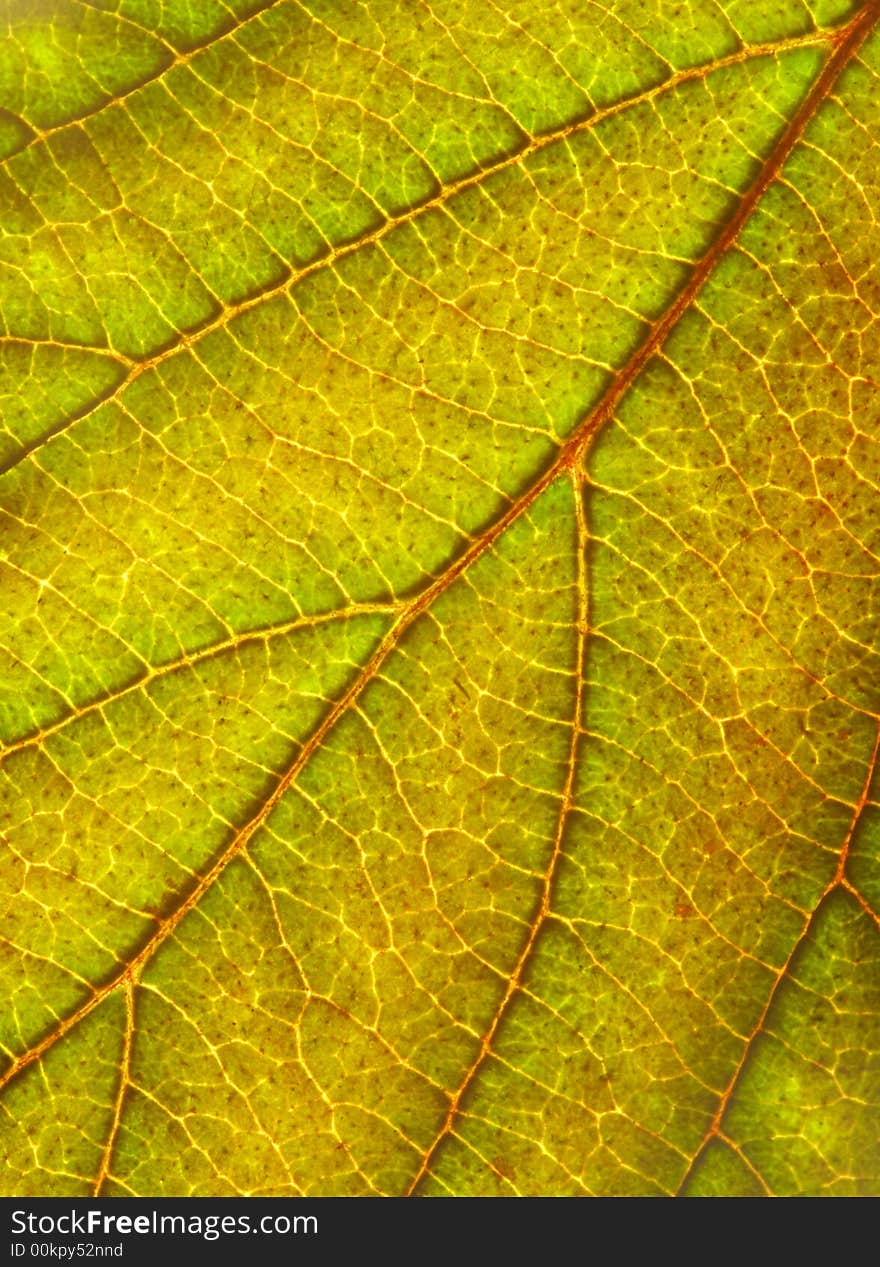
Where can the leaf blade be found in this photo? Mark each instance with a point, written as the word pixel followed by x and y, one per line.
pixel 737 945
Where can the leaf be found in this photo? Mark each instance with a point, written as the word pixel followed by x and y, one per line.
pixel 439 524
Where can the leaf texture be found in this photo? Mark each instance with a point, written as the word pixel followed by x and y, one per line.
pixel 439 703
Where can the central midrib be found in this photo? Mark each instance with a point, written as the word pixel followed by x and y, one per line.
pixel 570 458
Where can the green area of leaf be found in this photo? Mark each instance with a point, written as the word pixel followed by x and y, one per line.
pixel 439 549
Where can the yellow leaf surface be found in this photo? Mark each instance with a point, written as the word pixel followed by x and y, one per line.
pixel 438 649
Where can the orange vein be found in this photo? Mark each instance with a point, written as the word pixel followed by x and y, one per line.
pixel 749 1165
pixel 190 660
pixel 854 893
pixel 166 926
pixel 185 340
pixel 124 1084
pixel 846 44
pixel 514 981
pixel 572 456
pixel 849 39
pixel 838 880
pixel 175 59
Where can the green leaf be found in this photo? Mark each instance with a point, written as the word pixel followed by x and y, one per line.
pixel 439 697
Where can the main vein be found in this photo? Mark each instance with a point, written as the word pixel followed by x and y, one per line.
pixel 568 459
pixel 838 881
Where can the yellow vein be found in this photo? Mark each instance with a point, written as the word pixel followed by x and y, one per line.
pixel 838 881
pixel 845 47
pixel 515 980
pixel 176 59
pixel 568 458
pixel 185 340
pixel 124 1084
pixel 190 659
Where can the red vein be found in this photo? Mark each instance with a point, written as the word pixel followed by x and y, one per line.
pixel 749 1165
pixel 124 1084
pixel 844 45
pixel 166 926
pixel 514 981
pixel 837 881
